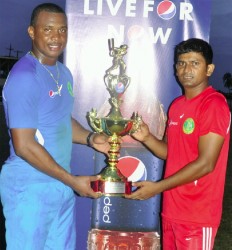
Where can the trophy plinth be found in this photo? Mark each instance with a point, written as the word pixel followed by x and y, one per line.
pixel 112 182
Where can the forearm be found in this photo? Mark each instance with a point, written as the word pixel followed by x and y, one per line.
pixel 190 173
pixel 156 146
pixel 39 158
pixel 79 134
pixel 209 148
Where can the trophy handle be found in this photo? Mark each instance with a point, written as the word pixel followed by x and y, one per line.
pixel 96 123
pixel 137 120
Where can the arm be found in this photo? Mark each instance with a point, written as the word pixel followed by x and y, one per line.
pixel 31 151
pixel 209 149
pixel 156 146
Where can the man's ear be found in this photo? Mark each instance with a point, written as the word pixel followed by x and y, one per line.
pixel 210 69
pixel 30 31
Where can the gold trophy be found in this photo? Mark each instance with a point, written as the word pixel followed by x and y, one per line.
pixel 112 182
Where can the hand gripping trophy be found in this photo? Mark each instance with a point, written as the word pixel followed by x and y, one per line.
pixel 112 182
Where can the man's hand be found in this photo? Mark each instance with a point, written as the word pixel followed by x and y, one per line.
pixel 82 185
pixel 142 133
pixel 100 142
pixel 145 190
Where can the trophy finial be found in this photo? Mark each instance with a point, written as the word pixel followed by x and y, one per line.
pixel 115 78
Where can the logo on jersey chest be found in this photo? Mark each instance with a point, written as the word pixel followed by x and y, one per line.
pixel 188 126
pixel 52 93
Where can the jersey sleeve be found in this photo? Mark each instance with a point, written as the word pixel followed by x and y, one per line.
pixel 21 96
pixel 215 116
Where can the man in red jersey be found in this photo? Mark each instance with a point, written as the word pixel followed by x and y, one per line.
pixel 195 148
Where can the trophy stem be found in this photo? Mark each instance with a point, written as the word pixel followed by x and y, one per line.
pixel 111 172
pixel 112 182
pixel 114 150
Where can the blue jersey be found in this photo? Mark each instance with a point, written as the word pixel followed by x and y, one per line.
pixel 33 99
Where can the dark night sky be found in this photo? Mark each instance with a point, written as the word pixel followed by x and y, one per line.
pixel 14 20
pixel 15 16
pixel 221 40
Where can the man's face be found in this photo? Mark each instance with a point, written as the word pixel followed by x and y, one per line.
pixel 49 35
pixel 192 70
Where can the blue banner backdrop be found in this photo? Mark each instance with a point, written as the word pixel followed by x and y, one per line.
pixel 151 29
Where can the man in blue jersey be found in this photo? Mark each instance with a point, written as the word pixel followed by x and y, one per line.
pixel 36 184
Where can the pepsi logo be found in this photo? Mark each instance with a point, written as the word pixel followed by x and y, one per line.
pixel 166 10
pixel 132 168
pixel 119 87
pixel 135 32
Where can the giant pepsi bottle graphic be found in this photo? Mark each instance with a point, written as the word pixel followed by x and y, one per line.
pixel 132 224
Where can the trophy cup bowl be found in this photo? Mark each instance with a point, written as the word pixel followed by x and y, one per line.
pixel 112 182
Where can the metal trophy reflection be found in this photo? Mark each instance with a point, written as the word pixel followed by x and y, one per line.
pixel 112 182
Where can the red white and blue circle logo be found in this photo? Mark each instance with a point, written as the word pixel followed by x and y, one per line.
pixel 119 87
pixel 166 10
pixel 132 168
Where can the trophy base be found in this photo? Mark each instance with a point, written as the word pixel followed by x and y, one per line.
pixel 110 239
pixel 112 188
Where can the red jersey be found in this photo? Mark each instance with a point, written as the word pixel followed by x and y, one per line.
pixel 201 200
